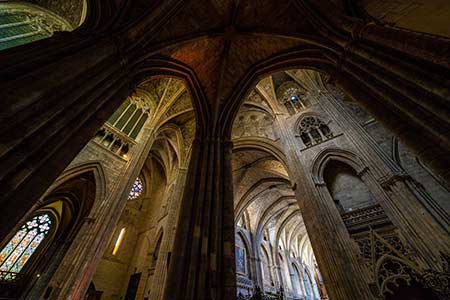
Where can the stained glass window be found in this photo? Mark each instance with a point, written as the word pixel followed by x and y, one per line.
pixel 136 190
pixel 241 259
pixel 22 246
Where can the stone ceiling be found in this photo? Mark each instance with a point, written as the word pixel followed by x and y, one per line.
pixel 222 40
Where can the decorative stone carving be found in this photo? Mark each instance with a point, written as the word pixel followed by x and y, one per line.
pixel 437 281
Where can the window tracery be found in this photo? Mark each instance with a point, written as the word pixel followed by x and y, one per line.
pixel 23 245
pixel 293 101
pixel 136 189
pixel 314 131
pixel 24 23
pixel 131 116
pixel 292 96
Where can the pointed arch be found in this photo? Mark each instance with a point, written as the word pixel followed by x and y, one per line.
pixel 322 159
pixel 263 144
pixel 95 167
pixel 168 67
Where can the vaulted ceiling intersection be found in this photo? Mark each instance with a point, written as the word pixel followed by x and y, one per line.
pixel 222 40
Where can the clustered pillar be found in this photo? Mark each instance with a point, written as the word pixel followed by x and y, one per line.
pixel 203 265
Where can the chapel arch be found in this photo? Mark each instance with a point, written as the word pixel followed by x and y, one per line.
pixel 138 249
pixel 43 239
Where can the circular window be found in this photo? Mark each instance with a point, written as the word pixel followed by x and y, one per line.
pixel 136 190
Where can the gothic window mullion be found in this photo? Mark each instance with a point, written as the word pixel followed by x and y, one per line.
pixel 311 138
pixel 11 251
pixel 16 267
pixel 23 245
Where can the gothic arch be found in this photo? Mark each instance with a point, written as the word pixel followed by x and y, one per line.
pixel 70 200
pixel 311 57
pixel 325 156
pixel 248 249
pixel 167 67
pixel 269 214
pixel 179 139
pixel 292 215
pixel 245 239
pixel 75 170
pixel 404 271
pixel 263 144
pixel 262 249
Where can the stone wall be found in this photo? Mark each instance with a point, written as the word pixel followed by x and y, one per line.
pixel 346 188
pixel 403 156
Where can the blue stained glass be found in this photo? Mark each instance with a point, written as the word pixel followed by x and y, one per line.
pixel 23 245
pixel 136 190
pixel 240 260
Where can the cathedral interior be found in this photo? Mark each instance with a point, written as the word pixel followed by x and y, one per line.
pixel 225 150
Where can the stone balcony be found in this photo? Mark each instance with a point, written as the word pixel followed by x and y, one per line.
pixel 114 140
pixel 368 217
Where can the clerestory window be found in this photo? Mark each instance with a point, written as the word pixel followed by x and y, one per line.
pixel 313 131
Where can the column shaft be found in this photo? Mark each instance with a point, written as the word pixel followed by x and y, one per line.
pixel 203 263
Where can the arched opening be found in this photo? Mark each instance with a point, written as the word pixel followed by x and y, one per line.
pixel 31 256
pixel 241 257
pixel 159 116
pixel 264 197
pixel 346 188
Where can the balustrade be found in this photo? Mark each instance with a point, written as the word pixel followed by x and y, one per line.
pixel 114 140
pixel 361 219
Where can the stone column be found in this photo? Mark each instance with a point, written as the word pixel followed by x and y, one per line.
pixel 333 248
pixel 398 75
pixel 203 261
pixel 80 262
pixel 166 250
pixel 294 284
pixel 50 111
pixel 257 272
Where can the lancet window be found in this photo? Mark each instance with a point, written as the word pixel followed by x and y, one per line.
pixel 314 131
pixel 292 101
pixel 241 256
pixel 23 245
